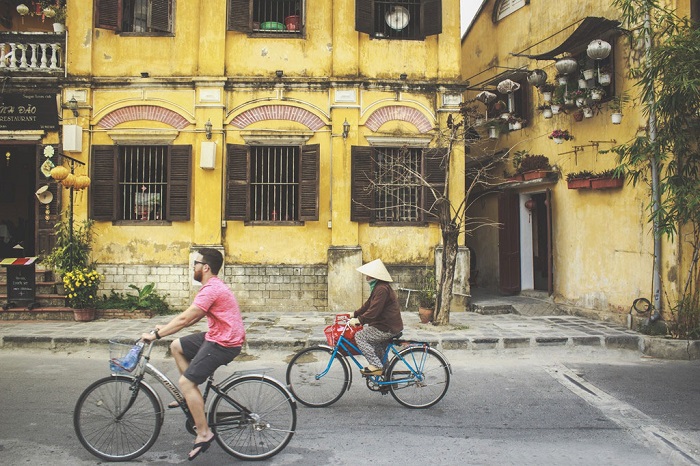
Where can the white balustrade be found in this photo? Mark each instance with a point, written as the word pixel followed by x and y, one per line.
pixel 31 55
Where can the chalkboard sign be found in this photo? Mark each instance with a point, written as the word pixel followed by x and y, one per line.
pixel 21 283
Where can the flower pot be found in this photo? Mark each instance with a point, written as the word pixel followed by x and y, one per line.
pixel 516 177
pixel 583 183
pixel 534 175
pixel 588 74
pixel 517 125
pixel 547 96
pixel 425 314
pixel 547 113
pixel 582 84
pixel 493 133
pixel 578 115
pixel 604 78
pixel 569 102
pixel 588 112
pixel 555 109
pixel 596 95
pixel 293 23
pixel 616 118
pixel 83 315
pixel 59 27
pixel 606 183
pixel 558 140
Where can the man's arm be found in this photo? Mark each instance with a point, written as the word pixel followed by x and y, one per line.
pixel 190 316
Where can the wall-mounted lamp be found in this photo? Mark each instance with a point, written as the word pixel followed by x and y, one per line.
pixel 145 74
pixel 279 73
pixel 207 128
pixel 403 76
pixel 72 105
pixel 346 129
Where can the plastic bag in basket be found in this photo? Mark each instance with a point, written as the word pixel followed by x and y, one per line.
pixel 334 331
pixel 127 363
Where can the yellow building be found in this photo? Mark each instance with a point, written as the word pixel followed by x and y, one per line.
pixel 252 126
pixel 588 248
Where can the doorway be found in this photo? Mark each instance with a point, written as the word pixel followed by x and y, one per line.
pixel 536 243
pixel 17 200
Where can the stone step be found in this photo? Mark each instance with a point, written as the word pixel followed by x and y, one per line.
pixel 43 299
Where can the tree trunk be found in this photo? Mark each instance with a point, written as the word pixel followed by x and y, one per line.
pixel 450 236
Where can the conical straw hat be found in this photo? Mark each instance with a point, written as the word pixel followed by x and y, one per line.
pixel 375 269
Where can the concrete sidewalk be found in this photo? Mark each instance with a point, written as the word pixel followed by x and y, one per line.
pixel 289 332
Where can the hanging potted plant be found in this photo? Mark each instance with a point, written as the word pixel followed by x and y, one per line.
pixel 560 135
pixel 494 126
pixel 515 123
pixel 578 115
pixel 581 95
pixel 546 89
pixel 615 105
pixel 604 75
pixel 587 112
pixel 546 111
pixel 558 99
pixel 597 93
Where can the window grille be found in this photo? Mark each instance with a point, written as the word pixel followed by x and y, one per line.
pixel 397 197
pixel 274 175
pixel 386 7
pixel 143 182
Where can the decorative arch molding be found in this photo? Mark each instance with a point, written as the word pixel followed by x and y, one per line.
pixel 143 112
pixel 398 112
pixel 278 112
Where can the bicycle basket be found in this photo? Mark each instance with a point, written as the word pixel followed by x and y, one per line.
pixel 123 354
pixel 334 331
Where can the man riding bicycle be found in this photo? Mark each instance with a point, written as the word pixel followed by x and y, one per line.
pixel 198 355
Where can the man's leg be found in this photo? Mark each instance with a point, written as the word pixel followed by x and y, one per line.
pixel 195 402
pixel 181 361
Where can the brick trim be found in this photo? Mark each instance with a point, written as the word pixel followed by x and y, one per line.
pixel 143 112
pixel 278 112
pixel 398 112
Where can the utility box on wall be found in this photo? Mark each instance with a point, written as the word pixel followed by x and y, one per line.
pixel 207 156
pixel 72 138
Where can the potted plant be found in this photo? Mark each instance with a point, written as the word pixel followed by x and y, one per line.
pixel 558 99
pixel 495 126
pixel 560 135
pixel 81 286
pixel 587 70
pixel 578 115
pixel 597 93
pixel 604 75
pixel 607 179
pixel 72 248
pixel 546 111
pixel 615 105
pixel 56 11
pixel 515 122
pixel 580 96
pixel 587 111
pixel 427 296
pixel 546 89
pixel 533 167
pixel 579 180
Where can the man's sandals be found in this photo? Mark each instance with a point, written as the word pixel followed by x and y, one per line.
pixel 203 446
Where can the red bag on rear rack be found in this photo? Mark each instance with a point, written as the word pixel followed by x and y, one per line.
pixel 334 331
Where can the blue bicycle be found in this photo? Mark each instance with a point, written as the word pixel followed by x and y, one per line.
pixel 417 375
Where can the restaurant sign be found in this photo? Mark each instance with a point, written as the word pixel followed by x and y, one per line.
pixel 28 112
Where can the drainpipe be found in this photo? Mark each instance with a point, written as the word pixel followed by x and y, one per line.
pixel 654 164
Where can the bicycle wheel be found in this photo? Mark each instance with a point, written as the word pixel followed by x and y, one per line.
pixel 266 430
pixel 307 384
pixel 428 386
pixel 111 438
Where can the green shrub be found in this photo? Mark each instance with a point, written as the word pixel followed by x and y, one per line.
pixel 146 298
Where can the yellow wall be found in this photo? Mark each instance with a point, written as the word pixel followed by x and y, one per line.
pixel 603 246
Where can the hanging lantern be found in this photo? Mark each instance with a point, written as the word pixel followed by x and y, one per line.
pixel 507 86
pixel 59 173
pixel 485 97
pixel 530 204
pixel 566 65
pixel 68 181
pixel 22 9
pixel 537 77
pixel 598 49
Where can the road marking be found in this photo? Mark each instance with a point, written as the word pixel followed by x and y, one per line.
pixel 643 428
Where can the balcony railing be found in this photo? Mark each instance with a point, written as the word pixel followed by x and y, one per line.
pixel 32 52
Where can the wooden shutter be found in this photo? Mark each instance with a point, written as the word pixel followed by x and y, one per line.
pixel 364 16
pixel 362 194
pixel 45 231
pixel 237 183
pixel 509 243
pixel 434 171
pixel 239 12
pixel 161 19
pixel 104 182
pixel 308 185
pixel 108 14
pixel 179 186
pixel 431 17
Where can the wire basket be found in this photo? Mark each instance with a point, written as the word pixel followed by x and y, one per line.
pixel 123 354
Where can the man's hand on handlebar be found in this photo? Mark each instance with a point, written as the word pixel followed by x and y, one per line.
pixel 150 336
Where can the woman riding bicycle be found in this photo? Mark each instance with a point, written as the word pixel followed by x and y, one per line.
pixel 380 315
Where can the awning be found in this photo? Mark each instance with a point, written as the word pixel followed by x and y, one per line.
pixel 590 28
